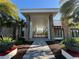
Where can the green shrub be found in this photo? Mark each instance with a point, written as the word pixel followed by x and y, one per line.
pixel 20 41
pixel 76 39
pixel 72 44
pixel 6 39
pixel 6 43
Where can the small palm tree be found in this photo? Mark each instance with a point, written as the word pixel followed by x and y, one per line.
pixel 3 19
pixel 68 8
pixel 8 14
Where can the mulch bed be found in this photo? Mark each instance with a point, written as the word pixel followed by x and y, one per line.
pixel 21 51
pixel 73 53
pixel 23 48
pixel 53 42
pixel 56 49
pixel 7 51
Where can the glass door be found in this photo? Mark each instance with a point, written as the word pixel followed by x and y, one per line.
pixel 40 32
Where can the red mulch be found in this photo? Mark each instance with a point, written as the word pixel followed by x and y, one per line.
pixel 7 51
pixel 21 51
pixel 73 53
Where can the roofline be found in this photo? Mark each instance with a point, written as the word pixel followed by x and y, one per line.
pixel 39 10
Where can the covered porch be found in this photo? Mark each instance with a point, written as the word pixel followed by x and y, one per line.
pixel 40 23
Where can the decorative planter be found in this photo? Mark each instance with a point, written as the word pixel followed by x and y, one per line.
pixel 8 54
pixel 5 46
pixel 73 46
pixel 68 54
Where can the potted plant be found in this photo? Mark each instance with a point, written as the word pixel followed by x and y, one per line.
pixel 6 43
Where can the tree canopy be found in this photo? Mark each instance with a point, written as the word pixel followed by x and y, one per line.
pixel 70 9
pixel 9 8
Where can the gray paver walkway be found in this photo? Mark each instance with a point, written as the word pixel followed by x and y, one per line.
pixel 39 50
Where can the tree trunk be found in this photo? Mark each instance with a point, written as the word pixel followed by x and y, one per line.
pixel 66 28
pixel 14 31
pixel 17 32
pixel 0 30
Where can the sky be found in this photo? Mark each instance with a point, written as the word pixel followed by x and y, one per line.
pixel 26 4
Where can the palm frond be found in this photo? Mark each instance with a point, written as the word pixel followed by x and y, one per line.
pixel 67 8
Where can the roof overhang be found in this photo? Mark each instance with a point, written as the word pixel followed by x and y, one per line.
pixel 39 10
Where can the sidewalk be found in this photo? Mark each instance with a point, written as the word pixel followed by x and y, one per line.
pixel 39 50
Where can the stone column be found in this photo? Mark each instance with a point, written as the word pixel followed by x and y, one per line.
pixel 17 32
pixel 31 29
pixel 48 29
pixel 26 32
pixel 27 28
pixel 20 28
pixel 50 26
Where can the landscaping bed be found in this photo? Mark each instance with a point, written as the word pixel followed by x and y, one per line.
pixel 56 48
pixel 72 44
pixel 6 43
pixel 21 51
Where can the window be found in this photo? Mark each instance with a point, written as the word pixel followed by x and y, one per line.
pixel 58 32
pixel 75 32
